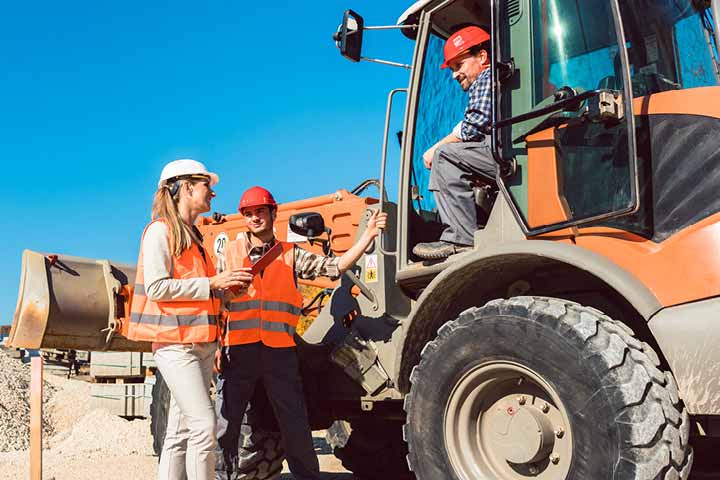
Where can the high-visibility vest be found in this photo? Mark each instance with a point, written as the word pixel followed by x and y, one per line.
pixel 269 311
pixel 174 321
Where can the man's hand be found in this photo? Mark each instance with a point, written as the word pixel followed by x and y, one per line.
pixel 376 223
pixel 428 156
pixel 217 361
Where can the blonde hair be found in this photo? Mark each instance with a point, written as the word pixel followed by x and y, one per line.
pixel 165 206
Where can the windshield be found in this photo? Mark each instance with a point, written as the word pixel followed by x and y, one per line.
pixel 668 46
pixel 441 105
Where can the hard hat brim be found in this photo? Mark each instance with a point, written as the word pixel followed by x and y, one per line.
pixel 214 179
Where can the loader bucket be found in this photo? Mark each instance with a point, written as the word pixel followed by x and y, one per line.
pixel 69 302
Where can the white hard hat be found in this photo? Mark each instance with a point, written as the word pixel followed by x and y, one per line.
pixel 186 166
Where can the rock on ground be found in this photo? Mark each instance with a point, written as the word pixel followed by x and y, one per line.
pixel 15 404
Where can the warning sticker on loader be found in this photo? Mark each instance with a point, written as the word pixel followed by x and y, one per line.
pixel 371 268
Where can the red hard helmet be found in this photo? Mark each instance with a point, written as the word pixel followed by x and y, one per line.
pixel 255 197
pixel 461 41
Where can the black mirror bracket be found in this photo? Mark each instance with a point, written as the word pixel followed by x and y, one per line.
pixel 324 242
pixel 349 35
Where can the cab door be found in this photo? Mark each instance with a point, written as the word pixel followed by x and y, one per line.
pixel 563 120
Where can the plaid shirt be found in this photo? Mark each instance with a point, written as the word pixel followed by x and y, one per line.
pixel 476 123
pixel 308 265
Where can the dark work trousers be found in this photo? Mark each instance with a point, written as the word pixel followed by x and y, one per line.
pixel 452 165
pixel 243 366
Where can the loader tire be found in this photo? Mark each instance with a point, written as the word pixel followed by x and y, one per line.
pixel 534 387
pixel 373 449
pixel 261 453
pixel 159 412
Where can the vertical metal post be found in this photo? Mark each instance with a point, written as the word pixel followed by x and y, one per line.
pixel 36 391
pixel 383 196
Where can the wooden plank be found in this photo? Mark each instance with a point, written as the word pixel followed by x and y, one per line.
pixel 36 388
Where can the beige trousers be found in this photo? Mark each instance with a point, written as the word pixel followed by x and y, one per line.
pixel 189 448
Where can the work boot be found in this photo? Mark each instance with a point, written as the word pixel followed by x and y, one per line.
pixel 438 250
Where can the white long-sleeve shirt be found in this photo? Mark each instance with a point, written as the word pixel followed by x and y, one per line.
pixel 157 268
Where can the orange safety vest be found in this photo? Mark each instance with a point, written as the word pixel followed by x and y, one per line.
pixel 269 311
pixel 174 321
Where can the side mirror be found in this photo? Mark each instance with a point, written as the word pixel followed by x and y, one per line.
pixel 309 224
pixel 348 37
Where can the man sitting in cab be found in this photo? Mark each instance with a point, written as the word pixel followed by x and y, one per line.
pixel 466 150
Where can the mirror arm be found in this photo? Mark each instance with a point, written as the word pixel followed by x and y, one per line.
pixel 386 62
pixel 390 27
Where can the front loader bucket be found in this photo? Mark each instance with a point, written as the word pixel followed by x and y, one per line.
pixel 69 302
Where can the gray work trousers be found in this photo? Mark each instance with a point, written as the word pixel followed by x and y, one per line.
pixel 242 367
pixel 449 179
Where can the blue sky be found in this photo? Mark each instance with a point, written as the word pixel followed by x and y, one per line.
pixel 97 96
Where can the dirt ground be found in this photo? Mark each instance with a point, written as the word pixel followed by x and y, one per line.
pixel 93 444
pixel 95 465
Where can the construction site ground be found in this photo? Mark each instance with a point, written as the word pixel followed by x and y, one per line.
pixel 88 444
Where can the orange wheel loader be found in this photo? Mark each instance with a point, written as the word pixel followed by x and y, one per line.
pixel 579 337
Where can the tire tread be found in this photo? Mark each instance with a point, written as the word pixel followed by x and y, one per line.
pixel 656 421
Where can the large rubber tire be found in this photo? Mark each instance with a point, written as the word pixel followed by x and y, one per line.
pixel 626 420
pixel 260 452
pixel 374 449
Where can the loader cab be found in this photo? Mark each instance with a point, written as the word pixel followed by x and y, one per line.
pixel 538 125
pixel 569 123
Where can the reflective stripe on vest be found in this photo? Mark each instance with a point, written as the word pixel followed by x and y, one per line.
pixel 193 321
pixel 271 308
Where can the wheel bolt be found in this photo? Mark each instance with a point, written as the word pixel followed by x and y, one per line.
pixel 545 408
pixel 554 458
pixel 560 432
pixel 521 400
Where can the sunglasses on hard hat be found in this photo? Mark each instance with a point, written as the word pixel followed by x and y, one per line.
pixel 174 185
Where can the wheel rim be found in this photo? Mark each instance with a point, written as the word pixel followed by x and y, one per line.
pixel 504 421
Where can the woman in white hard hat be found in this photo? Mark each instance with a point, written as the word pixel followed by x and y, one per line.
pixel 174 307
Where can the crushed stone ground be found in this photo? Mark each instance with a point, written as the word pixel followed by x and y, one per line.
pixel 85 443
pixel 15 404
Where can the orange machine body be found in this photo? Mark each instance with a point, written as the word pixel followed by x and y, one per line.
pixel 684 266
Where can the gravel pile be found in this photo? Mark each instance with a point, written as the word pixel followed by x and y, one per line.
pixel 107 434
pixel 15 404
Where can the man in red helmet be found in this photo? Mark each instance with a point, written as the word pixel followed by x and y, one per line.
pixel 466 149
pixel 258 340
